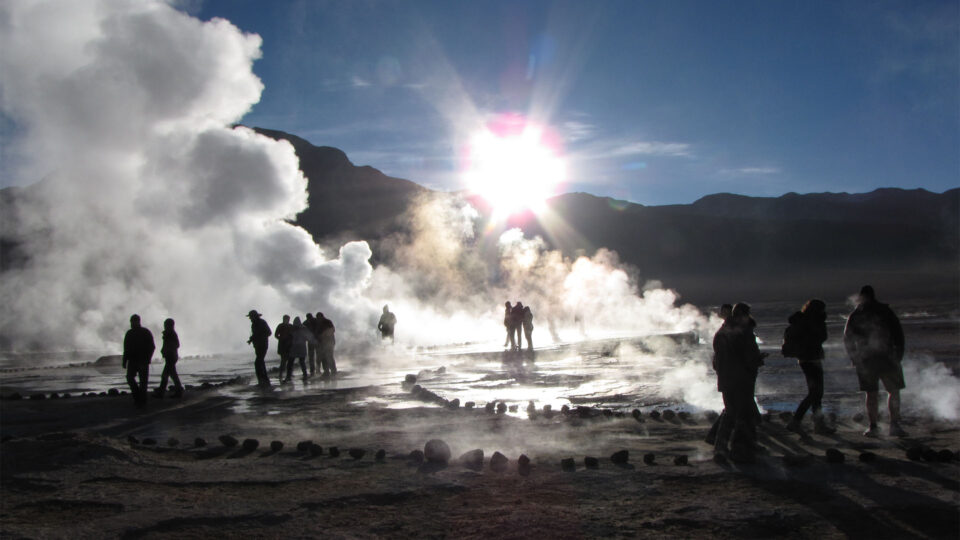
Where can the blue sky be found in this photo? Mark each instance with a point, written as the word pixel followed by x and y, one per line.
pixel 655 102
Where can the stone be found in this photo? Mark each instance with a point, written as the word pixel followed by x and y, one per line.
pixel 548 410
pixel 408 381
pixel 568 465
pixel 513 408
pixel 472 459
pixel 835 456
pixel 357 453
pixel 173 442
pixel 867 457
pixel 113 392
pixel 317 450
pixel 149 442
pixel 565 409
pixel 680 460
pixel 38 397
pixel 584 412
pixel 489 407
pixel 607 413
pixel 66 395
pixel 454 403
pixel 206 385
pixel 416 390
pixel 501 407
pixel 228 441
pixel 498 462
pixel 469 405
pixel 304 446
pixel 929 454
pixel 132 440
pixel 334 451
pixel 915 453
pixel 523 465
pixel 620 457
pixel 276 446
pixel 416 457
pixel 199 442
pixel 250 444
pixel 655 415
pixel 637 415
pixel 16 396
pixel 436 451
pixel 945 456
pixel 858 418
pixel 380 455
pixel 620 414
pixel 649 458
pixel 669 415
pixel 54 395
pixel 591 462
pixel 683 415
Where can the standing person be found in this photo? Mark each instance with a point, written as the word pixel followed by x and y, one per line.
pixel 874 341
pixel 284 335
pixel 527 322
pixel 737 360
pixel 260 339
pixel 803 340
pixel 387 323
pixel 516 323
pixel 310 323
pixel 299 337
pixel 508 325
pixel 327 343
pixel 711 438
pixel 170 353
pixel 138 347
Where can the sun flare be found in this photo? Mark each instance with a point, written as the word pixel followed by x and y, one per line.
pixel 514 169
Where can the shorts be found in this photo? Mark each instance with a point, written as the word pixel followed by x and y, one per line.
pixel 871 371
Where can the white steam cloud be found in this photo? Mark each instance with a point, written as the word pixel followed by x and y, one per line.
pixel 151 202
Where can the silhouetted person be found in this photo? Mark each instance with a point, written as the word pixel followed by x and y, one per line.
pixel 508 326
pixel 284 335
pixel 711 438
pixel 516 323
pixel 803 340
pixel 737 360
pixel 169 350
pixel 299 338
pixel 527 322
pixel 138 347
pixel 327 343
pixel 388 321
pixel 310 323
pixel 260 339
pixel 874 341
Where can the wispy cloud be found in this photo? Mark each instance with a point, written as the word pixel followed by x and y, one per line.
pixel 359 82
pixel 574 131
pixel 651 148
pixel 751 171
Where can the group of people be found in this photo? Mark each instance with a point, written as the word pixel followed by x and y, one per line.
pixel 138 348
pixel 516 318
pixel 873 339
pixel 310 341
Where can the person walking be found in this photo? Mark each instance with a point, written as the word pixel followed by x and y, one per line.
pixel 508 325
pixel 737 360
pixel 527 323
pixel 803 340
pixel 260 339
pixel 874 342
pixel 284 336
pixel 386 324
pixel 138 347
pixel 170 353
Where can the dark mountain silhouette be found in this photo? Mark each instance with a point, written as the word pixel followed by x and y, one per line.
pixel 722 247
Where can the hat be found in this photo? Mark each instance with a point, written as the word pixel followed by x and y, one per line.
pixel 252 313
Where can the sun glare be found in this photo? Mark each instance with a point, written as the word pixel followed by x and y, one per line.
pixel 514 169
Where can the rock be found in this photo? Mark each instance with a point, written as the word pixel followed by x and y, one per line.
pixel 945 456
pixel 101 394
pixel 929 454
pixel 250 444
pixel 867 457
pixel 620 457
pixel 637 415
pixel 357 453
pixel 498 462
pixel 199 442
pixel 380 455
pixel 858 418
pixel 206 385
pixel 472 459
pixel 436 451
pixel 276 446
pixel 113 392
pixel 469 405
pixel 680 460
pixel 416 390
pixel 607 413
pixel 304 446
pixel 568 465
pixel 523 465
pixel 531 408
pixel 54 395
pixel 317 450
pixel 513 408
pixel 228 441
pixel 565 409
pixel 173 442
pixel 548 411
pixel 334 451
pixel 501 407
pixel 620 414
pixel 591 462
pixel 584 412
pixel 132 440
pixel 786 417
pixel 683 415
pixel 649 458
pixel 408 381
pixel 16 396
pixel 655 415
pixel 489 407
pixel 669 415
pixel 38 397
pixel 149 442
pixel 915 453
pixel 454 403
pixel 66 395
pixel 416 457
pixel 835 456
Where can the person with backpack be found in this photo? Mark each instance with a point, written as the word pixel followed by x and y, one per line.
pixel 803 340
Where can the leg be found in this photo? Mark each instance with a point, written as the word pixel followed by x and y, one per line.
pixel 260 367
pixel 164 377
pixel 303 366
pixel 809 369
pixel 132 380
pixel 176 377
pixel 312 358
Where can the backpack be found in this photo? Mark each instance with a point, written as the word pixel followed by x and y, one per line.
pixel 791 341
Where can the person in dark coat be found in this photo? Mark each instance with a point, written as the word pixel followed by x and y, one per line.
pixel 711 438
pixel 737 360
pixel 516 323
pixel 874 342
pixel 299 337
pixel 170 353
pixel 284 336
pixel 260 339
pixel 508 326
pixel 310 323
pixel 138 347
pixel 387 323
pixel 328 342
pixel 803 340
pixel 526 322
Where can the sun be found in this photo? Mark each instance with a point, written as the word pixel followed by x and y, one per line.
pixel 514 166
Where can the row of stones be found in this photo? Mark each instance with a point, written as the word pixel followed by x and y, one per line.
pixel 114 392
